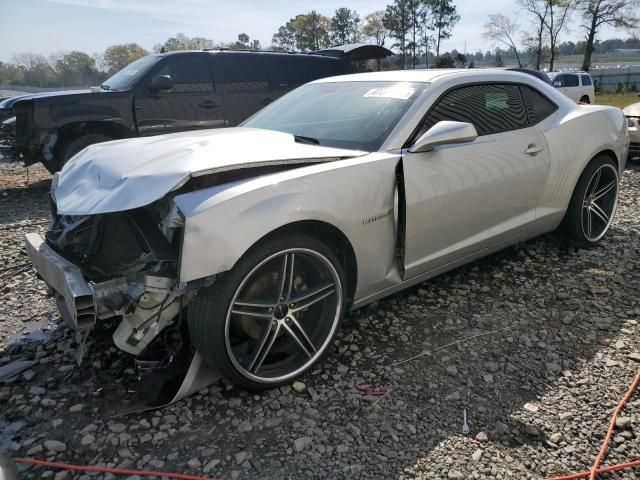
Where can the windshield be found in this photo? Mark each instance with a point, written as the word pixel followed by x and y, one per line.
pixel 354 115
pixel 130 74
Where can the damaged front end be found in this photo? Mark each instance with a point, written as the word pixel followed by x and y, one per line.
pixel 121 264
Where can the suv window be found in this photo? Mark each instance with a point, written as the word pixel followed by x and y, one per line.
pixel 538 106
pixel 586 80
pixel 189 74
pixel 566 80
pixel 290 71
pixel 491 108
pixel 241 72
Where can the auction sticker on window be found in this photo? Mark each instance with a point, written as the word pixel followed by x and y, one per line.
pixel 400 91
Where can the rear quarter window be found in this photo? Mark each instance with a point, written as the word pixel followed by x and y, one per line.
pixel 586 80
pixel 538 106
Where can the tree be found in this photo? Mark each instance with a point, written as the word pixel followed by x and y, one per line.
pixel 345 26
pixel 75 69
pixel 501 28
pixel 615 13
pixel 444 18
pixel 397 19
pixel 308 32
pixel 284 38
pixel 539 10
pixel 116 57
pixel 445 61
pixel 36 70
pixel 374 27
pixel 555 22
pixel 243 38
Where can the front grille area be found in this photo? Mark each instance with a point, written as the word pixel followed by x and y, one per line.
pixel 112 245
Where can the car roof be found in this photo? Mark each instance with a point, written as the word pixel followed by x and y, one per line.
pixel 227 51
pixel 428 76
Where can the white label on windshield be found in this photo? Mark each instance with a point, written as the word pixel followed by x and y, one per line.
pixel 398 92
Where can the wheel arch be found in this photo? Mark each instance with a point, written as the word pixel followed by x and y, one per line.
pixel 70 131
pixel 331 236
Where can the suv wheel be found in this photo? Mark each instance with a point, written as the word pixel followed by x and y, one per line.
pixel 78 144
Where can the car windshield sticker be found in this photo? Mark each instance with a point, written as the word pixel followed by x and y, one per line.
pixel 400 91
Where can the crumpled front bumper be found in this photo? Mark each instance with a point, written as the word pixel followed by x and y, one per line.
pixel 74 295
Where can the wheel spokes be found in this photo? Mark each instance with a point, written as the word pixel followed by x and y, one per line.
pixel 253 309
pixel 311 297
pixel 596 181
pixel 587 212
pixel 604 190
pixel 595 208
pixel 285 279
pixel 263 347
pixel 300 338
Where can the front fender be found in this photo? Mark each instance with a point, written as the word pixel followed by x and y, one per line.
pixel 357 198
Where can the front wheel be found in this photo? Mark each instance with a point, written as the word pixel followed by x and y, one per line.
pixel 593 203
pixel 273 316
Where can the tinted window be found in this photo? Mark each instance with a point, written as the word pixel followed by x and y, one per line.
pixel 586 80
pixel 189 73
pixel 290 71
pixel 241 72
pixel 566 80
pixel 538 106
pixel 490 108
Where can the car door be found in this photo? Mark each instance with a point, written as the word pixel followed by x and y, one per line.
pixel 244 82
pixel 569 85
pixel 191 103
pixel 465 198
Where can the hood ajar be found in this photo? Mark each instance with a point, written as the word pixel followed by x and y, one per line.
pixel 127 174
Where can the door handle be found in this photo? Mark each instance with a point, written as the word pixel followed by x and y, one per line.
pixel 533 150
pixel 208 104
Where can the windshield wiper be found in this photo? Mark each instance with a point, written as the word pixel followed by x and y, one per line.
pixel 303 139
pixel 104 86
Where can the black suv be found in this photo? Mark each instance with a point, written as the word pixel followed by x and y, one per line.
pixel 163 93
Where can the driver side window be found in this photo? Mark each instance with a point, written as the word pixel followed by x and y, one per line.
pixel 189 74
pixel 491 108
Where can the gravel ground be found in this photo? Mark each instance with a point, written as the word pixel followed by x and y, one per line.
pixel 538 391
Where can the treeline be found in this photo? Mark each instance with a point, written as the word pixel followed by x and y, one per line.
pixel 414 29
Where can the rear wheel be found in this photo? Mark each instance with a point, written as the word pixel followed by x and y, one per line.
pixel 585 99
pixel 273 316
pixel 593 203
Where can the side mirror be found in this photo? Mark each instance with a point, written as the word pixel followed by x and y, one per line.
pixel 445 133
pixel 557 84
pixel 160 82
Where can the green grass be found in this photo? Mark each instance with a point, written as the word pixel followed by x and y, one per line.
pixel 617 99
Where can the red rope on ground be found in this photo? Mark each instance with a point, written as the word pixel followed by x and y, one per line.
pixel 612 468
pixel 115 471
pixel 593 473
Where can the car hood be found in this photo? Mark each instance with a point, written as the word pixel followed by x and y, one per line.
pixel 127 174
pixel 632 110
pixel 11 101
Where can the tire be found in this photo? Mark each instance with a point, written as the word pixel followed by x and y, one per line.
pixel 594 200
pixel 585 100
pixel 262 325
pixel 76 145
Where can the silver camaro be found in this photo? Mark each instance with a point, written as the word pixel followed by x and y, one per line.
pixel 257 239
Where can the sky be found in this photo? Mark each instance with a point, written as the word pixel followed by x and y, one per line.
pixel 50 26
